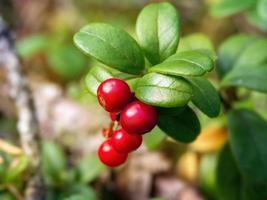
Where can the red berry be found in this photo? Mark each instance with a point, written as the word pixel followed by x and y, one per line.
pixel 124 142
pixel 109 156
pixel 138 117
pixel 114 94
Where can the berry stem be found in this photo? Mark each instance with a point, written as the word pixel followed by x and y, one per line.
pixel 115 126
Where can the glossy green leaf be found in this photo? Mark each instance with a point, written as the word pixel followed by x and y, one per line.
pixel 230 50
pixel 194 56
pixel 187 63
pixel 251 77
pixel 228 177
pixel 184 127
pixel 262 9
pixel 247 137
pixel 111 46
pixel 95 77
pixel 197 41
pixel 154 138
pixel 121 75
pixel 163 91
pixel 224 8
pixel 89 168
pixel 205 96
pixel 170 111
pixel 157 30
pixel 254 54
pixel 132 83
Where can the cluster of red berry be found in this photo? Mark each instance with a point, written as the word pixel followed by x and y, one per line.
pixel 135 117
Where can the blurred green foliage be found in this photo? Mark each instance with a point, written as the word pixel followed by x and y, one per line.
pixel 255 10
pixel 62 57
pixel 69 182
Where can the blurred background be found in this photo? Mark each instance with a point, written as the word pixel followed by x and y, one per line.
pixel 70 121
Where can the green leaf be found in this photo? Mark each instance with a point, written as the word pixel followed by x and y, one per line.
pixel 90 168
pixel 228 177
pixel 17 169
pixel 111 46
pixel 197 41
pixel 157 30
pixel 230 50
pixel 76 197
pixel 253 191
pixel 256 19
pixel 154 138
pixel 205 96
pixel 3 169
pixel 196 57
pixel 80 192
pixel 67 62
pixel 224 8
pixel 163 91
pixel 170 111
pixel 207 175
pixel 7 196
pixel 248 136
pixel 254 54
pixel 31 45
pixel 187 63
pixel 251 77
pixel 184 127
pixel 132 83
pixel 262 9
pixel 121 75
pixel 95 77
pixel 53 161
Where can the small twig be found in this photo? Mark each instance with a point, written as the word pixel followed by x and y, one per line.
pixel 228 97
pixel 115 126
pixel 27 122
pixel 226 105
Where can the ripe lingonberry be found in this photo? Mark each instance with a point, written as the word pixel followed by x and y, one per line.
pixel 109 156
pixel 114 94
pixel 124 142
pixel 138 117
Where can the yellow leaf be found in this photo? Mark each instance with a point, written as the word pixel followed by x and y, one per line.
pixel 187 166
pixel 9 148
pixel 210 139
